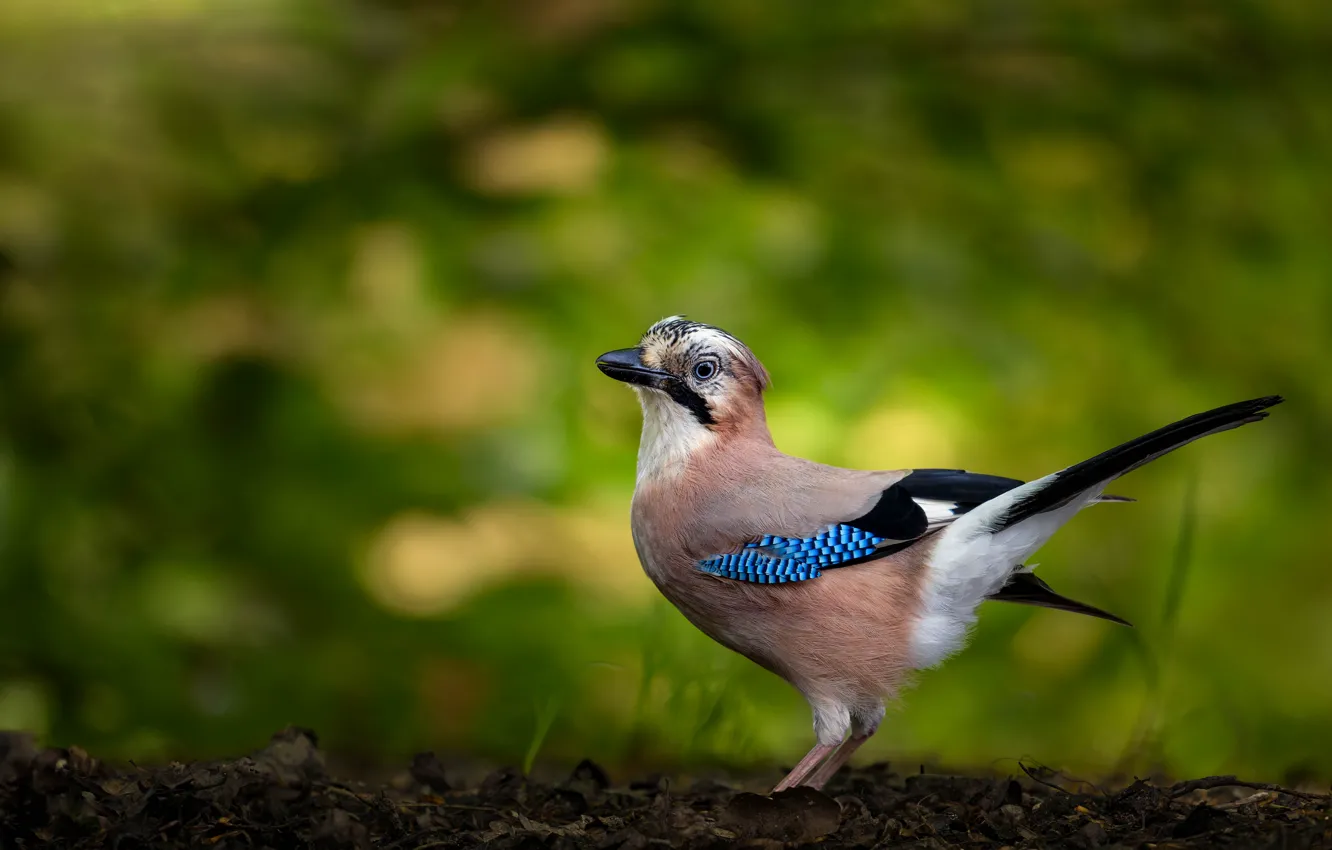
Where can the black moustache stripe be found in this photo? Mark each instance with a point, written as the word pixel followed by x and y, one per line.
pixel 681 394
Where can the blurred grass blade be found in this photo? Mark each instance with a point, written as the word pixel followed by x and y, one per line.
pixel 1144 743
pixel 545 718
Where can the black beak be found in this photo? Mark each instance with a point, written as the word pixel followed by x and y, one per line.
pixel 624 365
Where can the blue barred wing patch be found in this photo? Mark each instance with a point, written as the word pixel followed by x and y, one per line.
pixel 776 560
pixel 751 565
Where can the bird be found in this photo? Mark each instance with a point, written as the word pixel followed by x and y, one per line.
pixel 840 581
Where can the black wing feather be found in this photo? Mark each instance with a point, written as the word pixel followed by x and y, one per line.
pixel 895 516
pixel 1027 589
pixel 967 489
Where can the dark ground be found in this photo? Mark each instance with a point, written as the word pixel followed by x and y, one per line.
pixel 282 796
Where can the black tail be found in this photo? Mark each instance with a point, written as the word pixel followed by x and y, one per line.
pixel 1070 482
pixel 1026 589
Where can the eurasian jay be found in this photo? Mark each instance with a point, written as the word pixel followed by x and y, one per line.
pixel 840 581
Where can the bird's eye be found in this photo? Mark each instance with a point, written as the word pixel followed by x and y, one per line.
pixel 704 370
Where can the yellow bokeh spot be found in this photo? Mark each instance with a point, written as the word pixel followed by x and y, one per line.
pixel 896 437
pixel 599 550
pixel 803 427
pixel 220 326
pixel 422 564
pixel 1060 163
pixel 388 275
pixel 563 156
pixel 25 704
pixel 477 371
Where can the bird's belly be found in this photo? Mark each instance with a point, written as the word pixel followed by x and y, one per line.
pixel 845 635
pixel 735 617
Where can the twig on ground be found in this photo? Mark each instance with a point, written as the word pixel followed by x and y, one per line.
pixel 1034 778
pixel 1260 797
pixel 1179 789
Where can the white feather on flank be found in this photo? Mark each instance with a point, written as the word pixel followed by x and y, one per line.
pixel 970 563
pixel 670 435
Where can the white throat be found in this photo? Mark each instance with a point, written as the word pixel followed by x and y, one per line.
pixel 670 435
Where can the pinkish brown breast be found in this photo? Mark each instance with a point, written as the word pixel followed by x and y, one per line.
pixel 844 636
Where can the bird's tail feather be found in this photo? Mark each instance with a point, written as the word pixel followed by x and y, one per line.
pixel 974 557
pixel 1026 589
pixel 1096 472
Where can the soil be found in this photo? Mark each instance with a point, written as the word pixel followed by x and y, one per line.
pixel 283 796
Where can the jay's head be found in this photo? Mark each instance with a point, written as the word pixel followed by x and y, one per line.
pixel 692 375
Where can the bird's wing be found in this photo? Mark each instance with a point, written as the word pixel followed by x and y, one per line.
pixel 920 502
pixel 945 494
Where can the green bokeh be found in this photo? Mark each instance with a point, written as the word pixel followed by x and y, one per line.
pixel 278 278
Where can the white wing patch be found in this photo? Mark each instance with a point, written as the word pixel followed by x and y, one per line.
pixel 938 513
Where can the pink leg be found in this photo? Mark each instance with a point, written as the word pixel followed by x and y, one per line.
pixel 835 761
pixel 807 764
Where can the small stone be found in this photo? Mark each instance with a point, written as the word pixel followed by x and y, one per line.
pixel 1093 835
pixel 429 772
pixel 1013 812
pixel 798 814
pixel 292 757
pixel 592 773
pixel 18 750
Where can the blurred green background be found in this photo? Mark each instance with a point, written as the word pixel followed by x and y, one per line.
pixel 299 303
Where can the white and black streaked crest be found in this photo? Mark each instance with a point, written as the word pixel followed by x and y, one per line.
pixel 676 343
pixel 675 329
